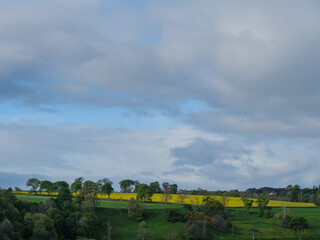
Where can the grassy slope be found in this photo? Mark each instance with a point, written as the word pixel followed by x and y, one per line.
pixel 123 228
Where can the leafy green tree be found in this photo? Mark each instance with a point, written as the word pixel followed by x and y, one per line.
pixel 155 187
pixel 56 186
pixel 126 185
pixel 213 207
pixel 293 192
pixel 90 191
pixel 107 188
pixel 173 188
pixel 41 226
pixel 76 189
pixel 298 224
pixel 64 197
pixel 135 210
pixel 262 203
pixel 59 222
pixel 76 186
pixel 136 186
pixel 104 181
pixel 247 203
pixel 144 193
pixel 7 230
pixel 34 183
pixel 45 186
pixel 168 189
pixel 318 197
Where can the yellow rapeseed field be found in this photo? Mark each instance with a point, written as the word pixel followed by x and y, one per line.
pixel 190 199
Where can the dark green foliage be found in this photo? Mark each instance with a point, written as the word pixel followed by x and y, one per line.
pixel 46 186
pixel 144 193
pixel 213 207
pixel 298 224
pixel 76 186
pixel 107 188
pixel 90 191
pixel 55 187
pixel 196 229
pixel 268 213
pixel 41 226
pixel 169 188
pixel 155 187
pixel 174 216
pixel 262 203
pixel 247 203
pixel 64 197
pixel 285 221
pixel 188 207
pixel 59 222
pixel 125 185
pixel 135 210
pixel 34 183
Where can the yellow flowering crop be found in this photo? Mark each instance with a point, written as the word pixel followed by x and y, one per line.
pixel 188 199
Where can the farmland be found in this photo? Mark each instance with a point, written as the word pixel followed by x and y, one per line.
pixel 189 199
pixel 158 226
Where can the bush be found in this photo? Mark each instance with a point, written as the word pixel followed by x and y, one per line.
pixel 219 223
pixel 135 210
pixel 285 222
pixel 174 216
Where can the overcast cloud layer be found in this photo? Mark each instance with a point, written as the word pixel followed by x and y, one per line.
pixel 211 94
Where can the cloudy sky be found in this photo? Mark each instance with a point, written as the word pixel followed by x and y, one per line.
pixel 209 93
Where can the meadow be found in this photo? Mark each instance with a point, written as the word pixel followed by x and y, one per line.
pixel 159 228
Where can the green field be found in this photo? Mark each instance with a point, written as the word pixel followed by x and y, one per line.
pixel 123 228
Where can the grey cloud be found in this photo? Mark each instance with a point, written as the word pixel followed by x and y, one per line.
pixel 253 57
pixel 204 152
pixel 230 164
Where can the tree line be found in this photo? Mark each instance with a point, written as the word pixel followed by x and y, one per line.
pixel 292 193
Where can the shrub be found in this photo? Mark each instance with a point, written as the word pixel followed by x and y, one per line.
pixel 135 210
pixel 285 222
pixel 174 216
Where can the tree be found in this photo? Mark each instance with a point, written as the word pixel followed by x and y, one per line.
pixel 76 189
pixel 56 186
pixel 247 203
pixel 104 181
pixel 90 191
pixel 45 186
pixel 196 229
pixel 182 197
pixel 64 197
pixel 213 207
pixel 135 210
pixel 76 186
pixel 34 183
pixel 298 224
pixel 41 226
pixel 173 188
pixel 155 187
pixel 136 186
pixel 262 203
pixel 107 188
pixel 168 189
pixel 293 192
pixel 144 193
pixel 225 200
pixel 125 185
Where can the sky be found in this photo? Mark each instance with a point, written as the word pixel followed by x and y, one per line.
pixel 208 94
